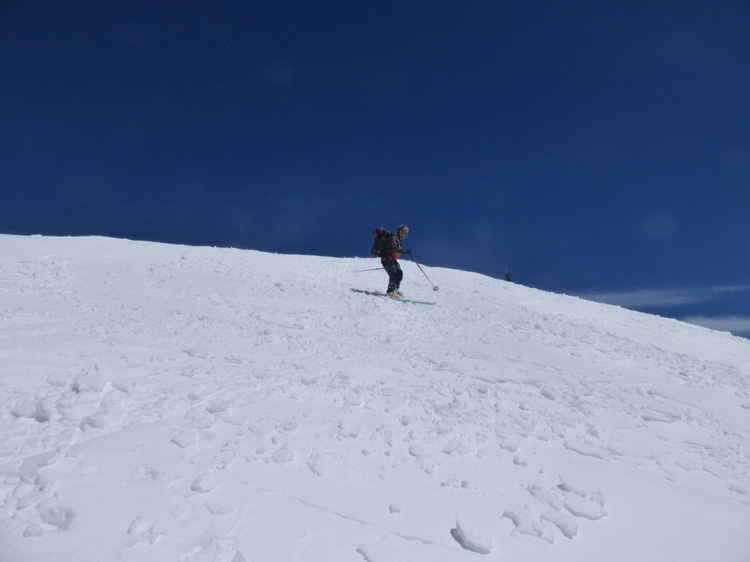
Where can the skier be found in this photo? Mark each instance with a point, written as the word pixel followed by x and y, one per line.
pixel 392 250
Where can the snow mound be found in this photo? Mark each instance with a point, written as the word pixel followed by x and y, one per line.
pixel 163 402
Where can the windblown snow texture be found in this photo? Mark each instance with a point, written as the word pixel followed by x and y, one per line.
pixel 169 403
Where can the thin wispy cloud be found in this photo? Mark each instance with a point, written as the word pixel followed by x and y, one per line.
pixel 732 289
pixel 663 298
pixel 650 299
pixel 737 325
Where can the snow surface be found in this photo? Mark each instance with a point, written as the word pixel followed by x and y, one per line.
pixel 169 403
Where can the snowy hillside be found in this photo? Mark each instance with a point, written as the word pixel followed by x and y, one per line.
pixel 166 403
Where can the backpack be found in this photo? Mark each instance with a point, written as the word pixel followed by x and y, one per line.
pixel 381 235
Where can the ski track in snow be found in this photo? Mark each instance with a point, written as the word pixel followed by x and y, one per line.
pixel 198 404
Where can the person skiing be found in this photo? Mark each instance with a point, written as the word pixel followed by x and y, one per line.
pixel 392 251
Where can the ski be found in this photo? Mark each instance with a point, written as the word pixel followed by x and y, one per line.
pixel 410 300
pixel 379 294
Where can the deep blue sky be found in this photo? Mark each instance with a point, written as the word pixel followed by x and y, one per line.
pixel 587 147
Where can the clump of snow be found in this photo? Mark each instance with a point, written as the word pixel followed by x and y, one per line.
pixel 472 537
pixel 164 402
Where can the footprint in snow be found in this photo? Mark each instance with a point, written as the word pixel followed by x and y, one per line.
pixel 57 515
pixel 563 504
pixel 582 502
pixel 325 464
pixel 525 525
pixel 142 530
pixel 204 483
pixel 31 409
pixel 283 455
pixel 216 549
pixel 184 439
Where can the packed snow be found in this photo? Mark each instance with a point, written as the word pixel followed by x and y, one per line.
pixel 165 403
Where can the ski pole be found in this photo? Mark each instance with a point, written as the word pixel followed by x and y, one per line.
pixel 434 287
pixel 373 269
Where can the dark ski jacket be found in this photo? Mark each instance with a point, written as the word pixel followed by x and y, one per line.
pixel 392 248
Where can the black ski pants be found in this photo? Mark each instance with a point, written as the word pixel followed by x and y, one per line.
pixel 395 275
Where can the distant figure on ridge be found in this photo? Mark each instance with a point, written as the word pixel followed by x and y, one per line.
pixel 392 250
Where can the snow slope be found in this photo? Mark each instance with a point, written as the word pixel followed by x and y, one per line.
pixel 168 403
